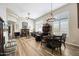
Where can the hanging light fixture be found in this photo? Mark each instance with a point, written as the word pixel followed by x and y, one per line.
pixel 28 16
pixel 51 15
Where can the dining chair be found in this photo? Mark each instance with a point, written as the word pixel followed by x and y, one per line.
pixel 56 43
pixel 63 39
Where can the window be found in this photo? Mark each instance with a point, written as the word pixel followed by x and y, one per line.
pixel 60 26
pixel 38 26
pixel 64 26
pixel 56 27
pixel 61 23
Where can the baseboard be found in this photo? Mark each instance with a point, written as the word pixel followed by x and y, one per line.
pixel 75 45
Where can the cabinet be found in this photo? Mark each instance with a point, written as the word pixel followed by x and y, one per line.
pixel 24 32
pixel 1 38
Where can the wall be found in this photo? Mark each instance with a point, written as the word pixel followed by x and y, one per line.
pixel 39 25
pixel 30 23
pixel 73 24
pixel 6 15
pixel 3 15
pixel 12 18
pixel 3 12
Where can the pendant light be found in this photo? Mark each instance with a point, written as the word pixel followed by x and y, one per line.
pixel 51 15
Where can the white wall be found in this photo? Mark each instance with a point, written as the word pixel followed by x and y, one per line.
pixel 73 24
pixel 12 17
pixel 6 15
pixel 3 16
pixel 30 24
pixel 39 25
pixel 3 12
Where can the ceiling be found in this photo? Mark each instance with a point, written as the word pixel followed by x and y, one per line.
pixel 35 9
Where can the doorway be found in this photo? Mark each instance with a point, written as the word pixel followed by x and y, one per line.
pixel 11 29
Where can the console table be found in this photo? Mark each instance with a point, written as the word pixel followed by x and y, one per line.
pixel 24 32
pixel 1 38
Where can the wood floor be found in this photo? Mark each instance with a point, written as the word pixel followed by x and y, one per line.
pixel 29 47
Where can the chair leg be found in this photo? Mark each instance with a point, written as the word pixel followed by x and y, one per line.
pixel 60 51
pixel 41 43
pixel 52 50
pixel 64 45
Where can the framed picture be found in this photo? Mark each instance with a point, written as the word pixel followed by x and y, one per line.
pixel 78 13
pixel 24 25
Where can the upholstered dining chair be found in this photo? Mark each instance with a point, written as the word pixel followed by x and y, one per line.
pixel 63 40
pixel 56 43
pixel 44 39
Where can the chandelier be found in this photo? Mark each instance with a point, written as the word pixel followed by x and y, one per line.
pixel 51 15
